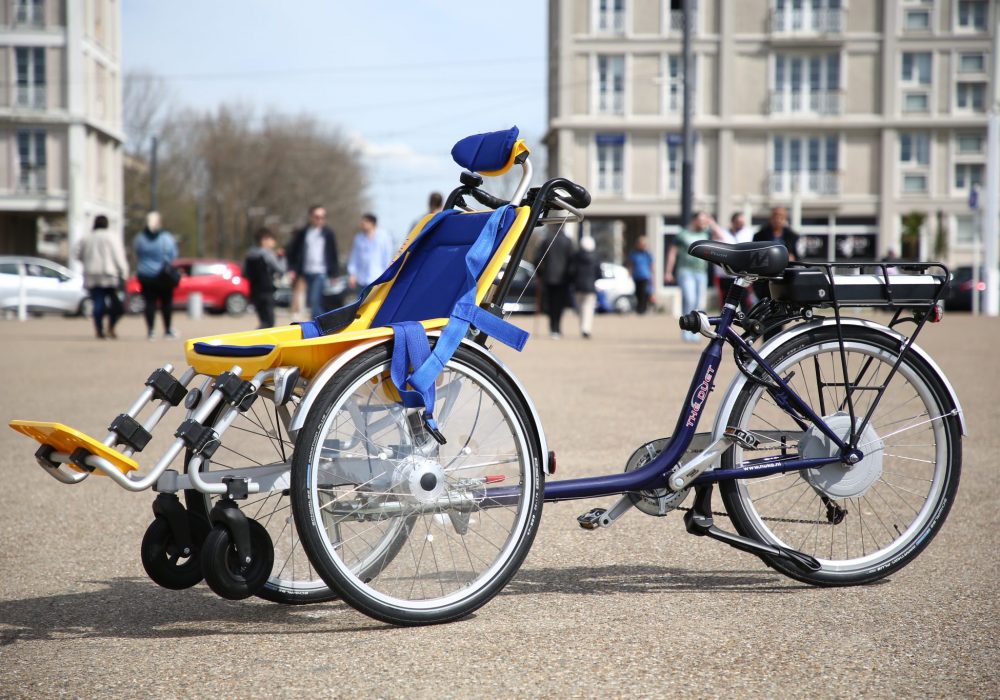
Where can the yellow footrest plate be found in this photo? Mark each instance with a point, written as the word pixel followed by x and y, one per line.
pixel 66 439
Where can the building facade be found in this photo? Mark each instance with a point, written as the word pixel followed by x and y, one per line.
pixel 60 122
pixel 854 113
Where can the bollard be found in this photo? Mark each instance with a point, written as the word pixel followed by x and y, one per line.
pixel 196 306
pixel 22 295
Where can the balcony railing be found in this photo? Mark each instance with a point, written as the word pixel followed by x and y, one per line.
pixel 31 96
pixel 611 102
pixel 808 21
pixel 807 183
pixel 611 22
pixel 29 15
pixel 32 179
pixel 610 182
pixel 822 102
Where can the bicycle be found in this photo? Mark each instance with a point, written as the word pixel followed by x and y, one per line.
pixel 836 448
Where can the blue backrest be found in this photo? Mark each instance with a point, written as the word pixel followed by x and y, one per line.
pixel 433 277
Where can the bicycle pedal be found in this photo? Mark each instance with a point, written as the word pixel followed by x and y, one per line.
pixel 591 520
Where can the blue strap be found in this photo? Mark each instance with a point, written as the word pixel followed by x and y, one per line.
pixel 339 319
pixel 466 313
pixel 410 349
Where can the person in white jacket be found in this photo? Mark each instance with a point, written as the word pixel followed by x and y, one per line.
pixel 104 269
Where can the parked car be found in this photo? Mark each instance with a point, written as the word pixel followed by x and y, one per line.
pixel 48 286
pixel 221 283
pixel 959 294
pixel 615 289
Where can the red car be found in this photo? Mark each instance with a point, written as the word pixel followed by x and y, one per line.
pixel 220 282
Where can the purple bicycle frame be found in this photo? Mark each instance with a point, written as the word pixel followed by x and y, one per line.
pixel 654 475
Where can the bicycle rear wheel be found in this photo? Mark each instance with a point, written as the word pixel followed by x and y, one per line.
pixel 364 465
pixel 865 521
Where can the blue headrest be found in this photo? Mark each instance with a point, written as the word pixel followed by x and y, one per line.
pixel 485 152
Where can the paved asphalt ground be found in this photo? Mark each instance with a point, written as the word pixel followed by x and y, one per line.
pixel 641 609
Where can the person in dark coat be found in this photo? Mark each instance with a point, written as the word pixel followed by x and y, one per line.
pixel 312 257
pixel 553 263
pixel 776 230
pixel 586 272
pixel 259 269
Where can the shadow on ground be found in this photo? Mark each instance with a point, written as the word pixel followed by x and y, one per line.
pixel 135 608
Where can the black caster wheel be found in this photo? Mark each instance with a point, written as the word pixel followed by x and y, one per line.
pixel 225 574
pixel 163 560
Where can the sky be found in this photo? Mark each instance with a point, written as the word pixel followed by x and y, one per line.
pixel 404 80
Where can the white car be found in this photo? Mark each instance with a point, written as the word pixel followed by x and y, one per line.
pixel 48 286
pixel 615 289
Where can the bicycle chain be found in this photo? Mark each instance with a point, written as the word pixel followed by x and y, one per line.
pixel 797 521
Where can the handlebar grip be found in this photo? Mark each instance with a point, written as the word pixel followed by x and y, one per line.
pixel 486 198
pixel 579 197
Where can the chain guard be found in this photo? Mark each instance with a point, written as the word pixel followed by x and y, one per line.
pixel 656 502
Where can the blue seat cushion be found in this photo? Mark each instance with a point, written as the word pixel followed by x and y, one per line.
pixel 434 276
pixel 485 152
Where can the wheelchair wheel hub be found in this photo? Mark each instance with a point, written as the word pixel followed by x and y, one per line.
pixel 421 478
pixel 839 479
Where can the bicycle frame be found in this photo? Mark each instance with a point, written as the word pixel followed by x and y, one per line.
pixel 654 475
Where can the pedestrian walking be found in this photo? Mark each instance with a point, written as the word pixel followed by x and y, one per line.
pixel 260 267
pixel 640 265
pixel 586 272
pixel 690 273
pixel 553 267
pixel 155 250
pixel 104 271
pixel 776 230
pixel 435 203
pixel 371 253
pixel 312 258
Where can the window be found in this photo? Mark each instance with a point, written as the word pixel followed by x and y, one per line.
pixel 610 163
pixel 966 144
pixel 675 81
pixel 916 68
pixel 674 162
pixel 611 84
pixel 971 97
pixel 965 230
pixel 914 149
pixel 30 12
pixel 972 15
pixel 971 63
pixel 916 102
pixel 806 84
pixel 611 16
pixel 30 77
pixel 914 183
pixel 809 164
pixel 792 16
pixel 967 175
pixel 31 159
pixel 917 20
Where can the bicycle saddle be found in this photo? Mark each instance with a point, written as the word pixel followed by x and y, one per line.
pixel 758 258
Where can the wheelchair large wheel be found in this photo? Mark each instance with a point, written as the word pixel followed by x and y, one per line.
pixel 259 437
pixel 364 467
pixel 865 521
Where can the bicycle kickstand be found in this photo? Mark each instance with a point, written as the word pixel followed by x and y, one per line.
pixel 698 521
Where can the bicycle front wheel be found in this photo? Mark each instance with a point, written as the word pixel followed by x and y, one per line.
pixel 864 521
pixel 365 467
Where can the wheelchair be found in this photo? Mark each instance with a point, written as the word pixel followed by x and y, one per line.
pixel 351 455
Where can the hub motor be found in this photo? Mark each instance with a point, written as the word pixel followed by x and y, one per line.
pixel 839 479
